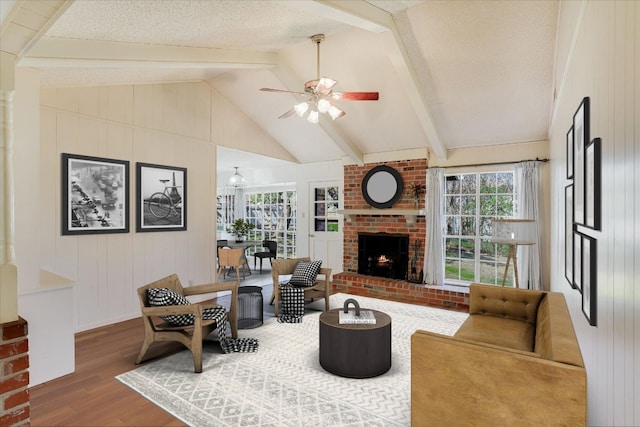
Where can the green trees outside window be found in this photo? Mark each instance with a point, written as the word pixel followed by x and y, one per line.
pixel 472 200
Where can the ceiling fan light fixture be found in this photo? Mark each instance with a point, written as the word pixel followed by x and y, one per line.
pixel 314 117
pixel 325 84
pixel 335 112
pixel 323 105
pixel 301 108
pixel 319 93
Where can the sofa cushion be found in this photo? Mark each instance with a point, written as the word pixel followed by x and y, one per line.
pixel 509 333
pixel 507 303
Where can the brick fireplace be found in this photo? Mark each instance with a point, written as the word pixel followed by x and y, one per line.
pixel 395 220
pixel 14 374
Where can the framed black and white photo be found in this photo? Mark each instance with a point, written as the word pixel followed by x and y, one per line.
pixel 580 140
pixel 577 261
pixel 592 181
pixel 95 195
pixel 568 234
pixel 570 153
pixel 161 198
pixel 589 278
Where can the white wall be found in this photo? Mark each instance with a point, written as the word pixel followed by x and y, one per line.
pixel 169 124
pixel 599 48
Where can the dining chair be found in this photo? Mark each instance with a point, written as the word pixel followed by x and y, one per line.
pixel 271 253
pixel 229 259
pixel 220 244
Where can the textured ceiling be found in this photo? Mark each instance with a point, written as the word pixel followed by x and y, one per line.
pixel 450 74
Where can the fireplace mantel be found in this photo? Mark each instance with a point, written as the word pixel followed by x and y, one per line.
pixel 409 214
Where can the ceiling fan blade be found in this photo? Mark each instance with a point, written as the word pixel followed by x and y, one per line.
pixel 356 96
pixel 267 89
pixel 287 114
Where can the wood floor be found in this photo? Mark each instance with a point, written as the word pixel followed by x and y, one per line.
pixel 91 396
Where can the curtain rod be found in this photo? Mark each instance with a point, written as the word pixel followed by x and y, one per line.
pixel 492 164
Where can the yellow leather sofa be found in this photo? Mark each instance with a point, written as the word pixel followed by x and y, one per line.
pixel 515 361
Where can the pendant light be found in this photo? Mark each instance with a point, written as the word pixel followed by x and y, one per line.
pixel 236 180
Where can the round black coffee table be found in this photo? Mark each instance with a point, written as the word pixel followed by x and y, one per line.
pixel 355 351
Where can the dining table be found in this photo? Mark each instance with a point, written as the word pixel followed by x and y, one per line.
pixel 243 243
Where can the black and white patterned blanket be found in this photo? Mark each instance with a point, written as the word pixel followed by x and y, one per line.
pixel 229 345
pixel 292 308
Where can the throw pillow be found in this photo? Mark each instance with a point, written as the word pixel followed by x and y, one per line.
pixel 305 273
pixel 165 296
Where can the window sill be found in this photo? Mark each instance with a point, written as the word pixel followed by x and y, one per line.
pixel 449 287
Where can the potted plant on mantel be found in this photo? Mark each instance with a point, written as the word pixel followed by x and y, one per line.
pixel 416 190
pixel 240 228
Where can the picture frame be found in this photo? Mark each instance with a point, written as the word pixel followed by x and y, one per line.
pixel 161 198
pixel 592 182
pixel 589 278
pixel 568 233
pixel 570 153
pixel 577 261
pixel 95 195
pixel 580 140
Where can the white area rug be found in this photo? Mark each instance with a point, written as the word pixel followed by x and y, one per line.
pixel 283 384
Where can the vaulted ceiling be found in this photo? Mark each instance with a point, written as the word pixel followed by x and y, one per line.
pixel 451 74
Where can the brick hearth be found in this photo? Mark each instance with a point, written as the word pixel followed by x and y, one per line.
pixel 349 281
pixel 402 291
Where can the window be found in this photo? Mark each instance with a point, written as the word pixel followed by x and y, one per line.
pixel 272 212
pixel 274 215
pixel 326 202
pixel 225 211
pixel 472 200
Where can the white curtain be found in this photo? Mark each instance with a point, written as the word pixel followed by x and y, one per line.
pixel 434 250
pixel 528 203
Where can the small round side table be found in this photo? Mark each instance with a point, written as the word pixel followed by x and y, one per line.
pixel 250 309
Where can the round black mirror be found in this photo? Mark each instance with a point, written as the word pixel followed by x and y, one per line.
pixel 382 187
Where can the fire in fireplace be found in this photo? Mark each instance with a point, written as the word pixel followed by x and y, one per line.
pixel 383 255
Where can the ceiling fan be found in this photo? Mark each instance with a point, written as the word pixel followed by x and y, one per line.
pixel 320 94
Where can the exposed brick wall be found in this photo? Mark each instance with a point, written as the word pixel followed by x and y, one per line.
pixel 14 374
pixel 412 171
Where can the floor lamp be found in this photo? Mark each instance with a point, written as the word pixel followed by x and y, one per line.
pixel 513 232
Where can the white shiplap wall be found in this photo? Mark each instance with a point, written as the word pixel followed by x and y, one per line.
pixel 601 42
pixel 166 124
